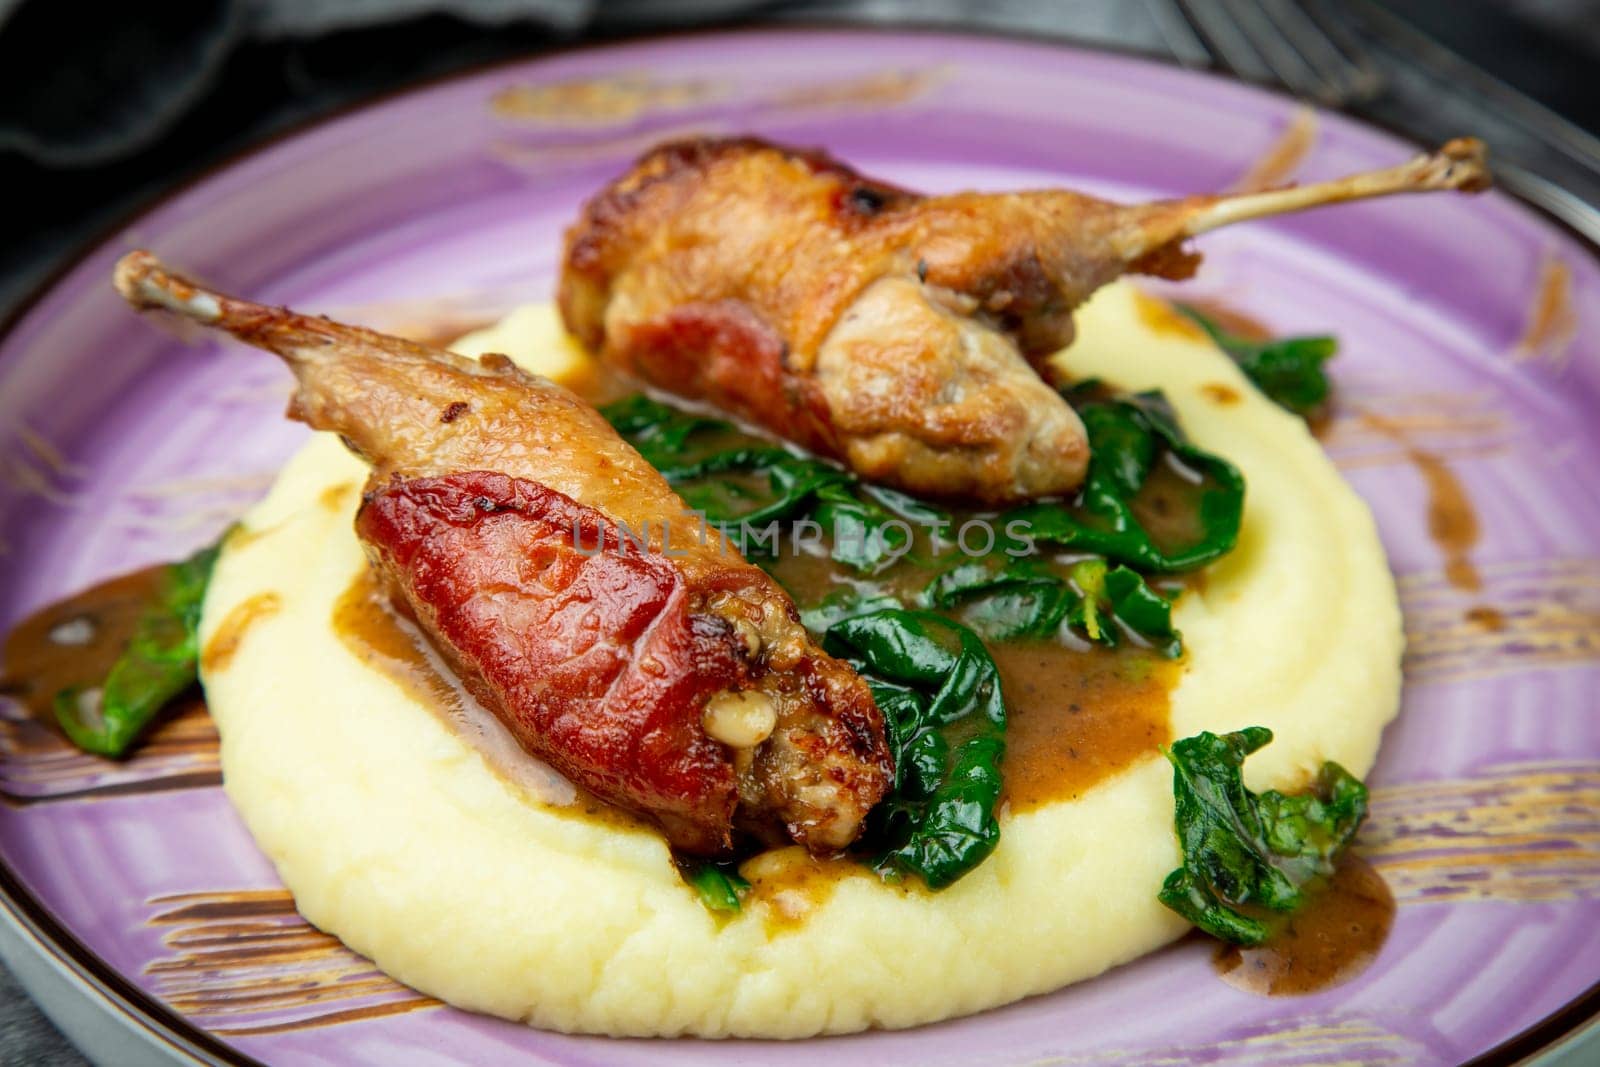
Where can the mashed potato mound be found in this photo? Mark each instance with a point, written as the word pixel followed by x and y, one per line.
pixel 395 834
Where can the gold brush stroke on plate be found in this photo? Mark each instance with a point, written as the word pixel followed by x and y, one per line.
pixel 38 763
pixel 885 88
pixel 878 89
pixel 1527 615
pixel 34 466
pixel 1296 1042
pixel 1552 323
pixel 1283 157
pixel 1377 424
pixel 1515 831
pixel 622 99
pixel 243 961
pixel 609 101
pixel 544 158
pixel 48 454
pixel 186 505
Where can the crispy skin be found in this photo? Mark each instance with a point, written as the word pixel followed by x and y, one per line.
pixel 891 330
pixel 722 269
pixel 488 486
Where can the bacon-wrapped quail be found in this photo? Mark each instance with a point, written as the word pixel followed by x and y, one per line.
pixel 673 680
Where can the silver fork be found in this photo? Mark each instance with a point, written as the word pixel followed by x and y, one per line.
pixel 1276 42
pixel 1302 47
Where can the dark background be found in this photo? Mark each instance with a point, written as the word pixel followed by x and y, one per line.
pixel 104 107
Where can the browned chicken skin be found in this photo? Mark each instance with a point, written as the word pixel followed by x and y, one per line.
pixel 891 330
pixel 676 683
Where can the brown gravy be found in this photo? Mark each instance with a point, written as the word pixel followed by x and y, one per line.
pixel 1332 939
pixel 1452 519
pixel 1162 317
pixel 369 628
pixel 229 634
pixel 375 631
pixel 792 884
pixel 73 642
pixel 1074 718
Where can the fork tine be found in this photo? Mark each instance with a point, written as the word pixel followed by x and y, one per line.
pixel 1179 33
pixel 1345 72
pixel 1262 25
pixel 1363 80
pixel 1222 36
pixel 1283 42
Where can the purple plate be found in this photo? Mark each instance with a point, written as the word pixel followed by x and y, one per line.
pixel 1470 329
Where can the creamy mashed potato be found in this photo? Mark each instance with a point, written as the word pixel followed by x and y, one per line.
pixel 397 836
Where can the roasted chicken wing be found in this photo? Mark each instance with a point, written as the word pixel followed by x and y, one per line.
pixel 867 322
pixel 615 635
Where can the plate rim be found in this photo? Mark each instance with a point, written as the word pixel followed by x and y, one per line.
pixel 1554 1035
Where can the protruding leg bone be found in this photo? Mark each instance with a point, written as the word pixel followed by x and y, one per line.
pixel 1460 165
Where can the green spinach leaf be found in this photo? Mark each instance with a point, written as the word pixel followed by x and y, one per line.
pixel 748 484
pixel 844 602
pixel 1124 597
pixel 939 692
pixel 1136 451
pixel 659 431
pixel 720 885
pixel 1248 856
pixel 1289 370
pixel 1022 598
pixel 1018 598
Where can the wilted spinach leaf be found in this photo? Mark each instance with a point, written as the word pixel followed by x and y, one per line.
pixel 1128 599
pixel 1287 369
pixel 720 885
pixel 1130 438
pixel 1248 856
pixel 659 431
pixel 844 602
pixel 747 484
pixel 1022 598
pixel 939 692
pixel 1011 599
